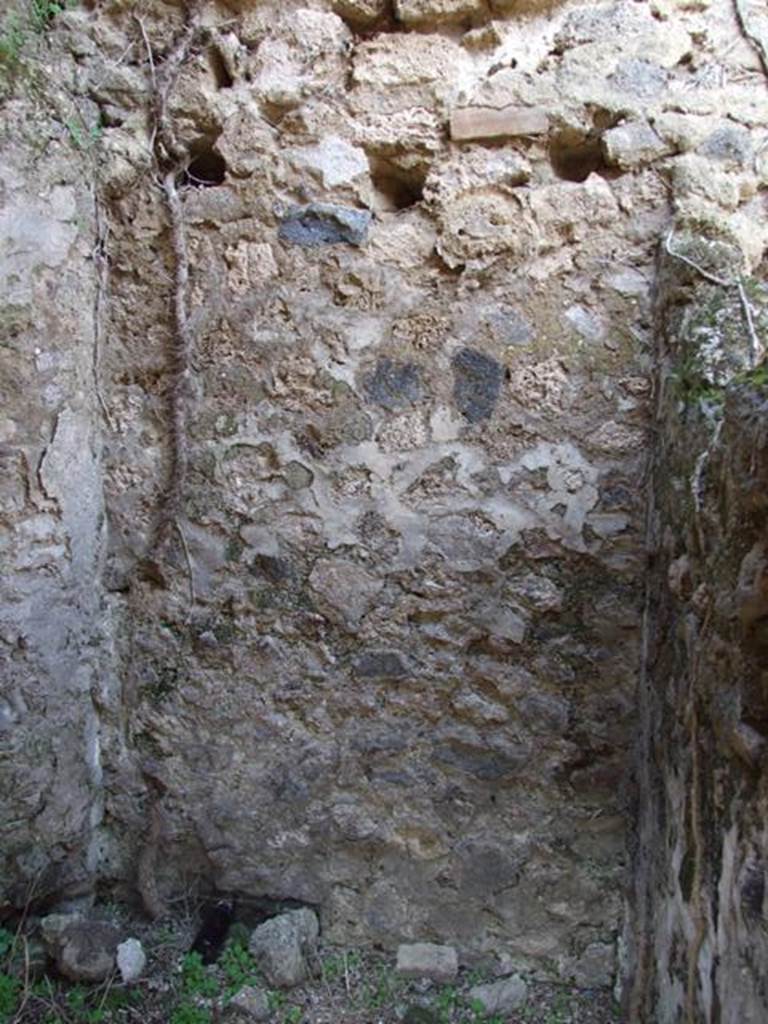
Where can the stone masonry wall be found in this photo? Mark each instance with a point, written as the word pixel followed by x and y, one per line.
pixel 55 647
pixel 699 855
pixel 386 661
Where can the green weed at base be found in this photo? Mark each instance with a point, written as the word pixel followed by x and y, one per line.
pixel 188 1013
pixel 339 965
pixel 275 1000
pixel 195 980
pixel 239 968
pixel 445 1005
pixel 10 988
pixel 10 994
pixel 479 1016
pixel 78 1000
pixel 385 989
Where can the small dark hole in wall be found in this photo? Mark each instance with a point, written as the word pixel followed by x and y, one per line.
pixel 221 75
pixel 396 189
pixel 574 155
pixel 206 168
pixel 685 876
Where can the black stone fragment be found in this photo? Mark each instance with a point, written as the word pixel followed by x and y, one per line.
pixel 394 384
pixel 324 224
pixel 477 383
pixel 213 931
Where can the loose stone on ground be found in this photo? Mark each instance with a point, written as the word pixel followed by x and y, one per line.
pixel 500 996
pixel 426 960
pixel 282 944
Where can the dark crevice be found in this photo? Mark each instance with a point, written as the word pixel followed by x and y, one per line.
pixel 366 24
pixel 221 75
pixel 575 155
pixel 206 167
pixel 396 189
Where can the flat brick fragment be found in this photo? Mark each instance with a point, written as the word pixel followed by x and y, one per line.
pixel 469 123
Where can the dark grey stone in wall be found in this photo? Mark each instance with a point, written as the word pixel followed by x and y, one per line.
pixel 394 384
pixel 477 382
pixel 324 224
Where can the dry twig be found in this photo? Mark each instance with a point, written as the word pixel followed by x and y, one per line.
pixel 712 278
pixel 760 45
pixel 737 283
pixel 171 159
pixel 101 262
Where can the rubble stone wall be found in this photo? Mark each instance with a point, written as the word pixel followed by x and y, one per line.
pixel 386 660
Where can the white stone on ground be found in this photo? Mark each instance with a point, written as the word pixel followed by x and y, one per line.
pixel 131 960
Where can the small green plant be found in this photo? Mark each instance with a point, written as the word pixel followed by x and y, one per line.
pixel 292 1015
pixel 15 30
pixel 477 1009
pixel 384 991
pixel 195 980
pixel 79 1000
pixel 42 12
pixel 275 1000
pixel 9 997
pixel 445 1004
pixel 11 43
pixel 332 968
pixel 83 138
pixel 239 968
pixel 187 1013
pixel 690 380
pixel 476 976
pixel 757 378
pixel 560 1011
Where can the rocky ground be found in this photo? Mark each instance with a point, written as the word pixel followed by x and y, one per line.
pixel 341 986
